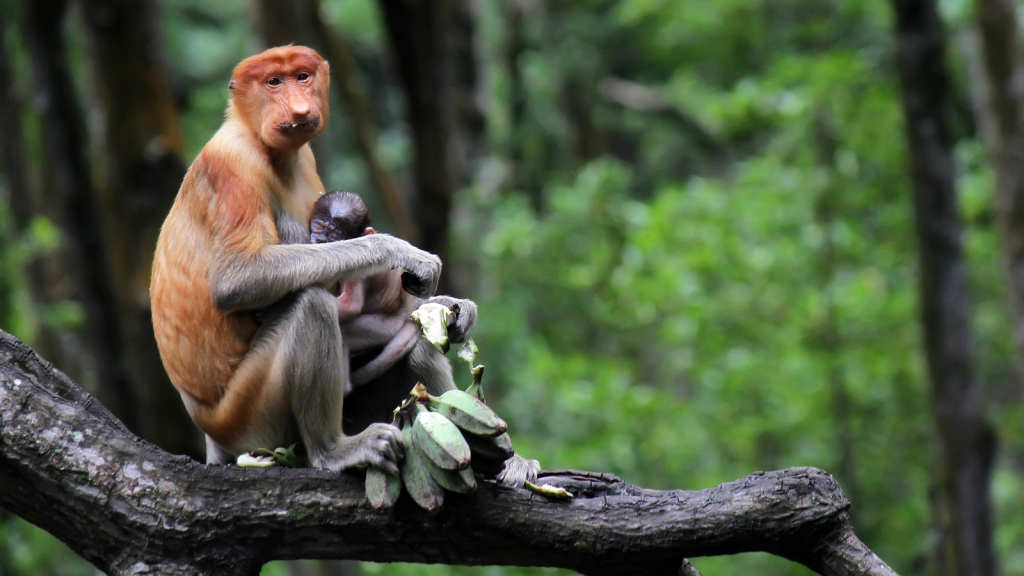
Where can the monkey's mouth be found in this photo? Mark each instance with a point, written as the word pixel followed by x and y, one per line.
pixel 307 125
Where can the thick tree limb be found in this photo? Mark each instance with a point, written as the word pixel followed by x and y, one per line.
pixel 68 466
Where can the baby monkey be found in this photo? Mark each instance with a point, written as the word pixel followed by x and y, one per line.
pixel 367 323
pixel 382 319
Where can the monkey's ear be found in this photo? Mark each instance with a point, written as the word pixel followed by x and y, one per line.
pixel 368 231
pixel 231 85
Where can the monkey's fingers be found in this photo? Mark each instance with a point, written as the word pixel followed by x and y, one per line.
pixel 390 452
pixel 422 275
pixel 388 466
pixel 393 436
pixel 417 286
pixel 465 321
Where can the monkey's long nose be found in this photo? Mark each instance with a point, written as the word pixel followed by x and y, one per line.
pixel 299 106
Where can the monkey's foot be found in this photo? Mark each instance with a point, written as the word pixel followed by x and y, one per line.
pixel 380 446
pixel 465 314
pixel 518 471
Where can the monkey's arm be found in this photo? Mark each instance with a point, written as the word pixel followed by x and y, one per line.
pixel 374 330
pixel 241 282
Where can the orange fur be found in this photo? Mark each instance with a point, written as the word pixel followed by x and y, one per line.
pixel 224 209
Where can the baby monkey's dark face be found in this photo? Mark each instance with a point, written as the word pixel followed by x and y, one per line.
pixel 339 216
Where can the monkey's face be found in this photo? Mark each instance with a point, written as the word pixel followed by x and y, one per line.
pixel 282 94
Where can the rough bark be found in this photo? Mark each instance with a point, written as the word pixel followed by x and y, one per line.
pixel 67 465
pixel 139 169
pixel 965 439
pixel 997 24
pixel 67 183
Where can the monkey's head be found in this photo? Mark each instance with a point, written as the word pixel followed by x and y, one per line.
pixel 339 216
pixel 281 94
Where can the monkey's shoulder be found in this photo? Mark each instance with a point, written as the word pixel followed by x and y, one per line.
pixel 227 199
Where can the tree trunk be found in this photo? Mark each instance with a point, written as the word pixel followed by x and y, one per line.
pixel 350 86
pixel 432 47
pixel 997 24
pixel 45 273
pixel 67 183
pixel 12 145
pixel 13 165
pixel 965 439
pixel 130 508
pixel 139 170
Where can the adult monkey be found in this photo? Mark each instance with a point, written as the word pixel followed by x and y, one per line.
pixel 219 258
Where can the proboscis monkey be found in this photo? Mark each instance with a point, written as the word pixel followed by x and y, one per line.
pixel 220 257
pixel 234 243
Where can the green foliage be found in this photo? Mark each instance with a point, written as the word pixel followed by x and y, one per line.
pixel 26 549
pixel 676 341
pixel 204 41
pixel 683 328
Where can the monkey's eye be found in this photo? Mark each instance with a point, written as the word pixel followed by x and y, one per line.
pixel 302 77
pixel 273 81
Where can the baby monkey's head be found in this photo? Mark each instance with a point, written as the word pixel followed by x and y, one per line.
pixel 337 216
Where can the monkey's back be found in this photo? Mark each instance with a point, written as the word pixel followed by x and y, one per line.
pixel 200 345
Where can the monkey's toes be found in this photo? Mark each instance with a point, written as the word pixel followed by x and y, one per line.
pixel 518 471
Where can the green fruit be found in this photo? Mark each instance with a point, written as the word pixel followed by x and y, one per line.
pixel 427 493
pixel 461 481
pixel 440 441
pixel 468 413
pixel 382 489
pixel 491 448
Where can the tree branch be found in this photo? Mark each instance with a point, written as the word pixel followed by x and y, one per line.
pixel 70 467
pixel 645 99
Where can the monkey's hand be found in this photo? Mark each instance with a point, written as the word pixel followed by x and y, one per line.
pixel 422 272
pixel 464 317
pixel 518 470
pixel 380 445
